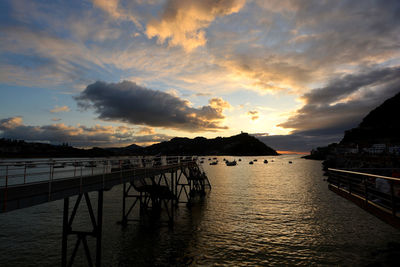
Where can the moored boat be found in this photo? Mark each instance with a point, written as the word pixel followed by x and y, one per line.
pixel 231 163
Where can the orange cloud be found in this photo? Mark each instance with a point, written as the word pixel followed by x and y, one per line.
pixel 10 123
pixel 183 22
pixel 57 109
pixel 146 130
pixel 219 103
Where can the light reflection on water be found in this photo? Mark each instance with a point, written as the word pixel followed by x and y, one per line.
pixel 262 214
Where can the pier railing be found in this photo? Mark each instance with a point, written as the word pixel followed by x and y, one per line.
pixel 371 191
pixel 20 172
pixel 150 184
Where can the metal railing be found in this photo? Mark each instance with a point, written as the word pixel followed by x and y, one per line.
pixel 379 190
pixel 21 172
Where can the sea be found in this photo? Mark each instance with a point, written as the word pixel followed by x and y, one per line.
pixel 272 214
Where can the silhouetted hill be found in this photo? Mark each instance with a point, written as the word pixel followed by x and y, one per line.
pixel 21 149
pixel 381 125
pixel 128 150
pixel 242 144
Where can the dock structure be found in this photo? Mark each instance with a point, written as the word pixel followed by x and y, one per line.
pixel 153 184
pixel 374 190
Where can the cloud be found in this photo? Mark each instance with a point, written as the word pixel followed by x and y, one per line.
pixel 291 45
pixel 344 101
pixel 10 123
pixel 297 142
pixel 113 8
pixel 146 131
pixel 183 21
pixel 339 106
pixel 43 59
pixel 267 72
pixel 81 136
pixel 128 102
pixel 253 114
pixel 203 94
pixel 219 104
pixel 57 109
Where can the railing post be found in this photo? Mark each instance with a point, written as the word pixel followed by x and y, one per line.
pixel 349 183
pixel 80 181
pixel 5 191
pixel 123 221
pixel 120 170
pixel 392 198
pixel 64 247
pixel 51 178
pixel 99 227
pixel 25 173
pixel 366 190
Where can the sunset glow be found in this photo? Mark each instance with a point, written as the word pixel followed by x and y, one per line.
pixel 115 72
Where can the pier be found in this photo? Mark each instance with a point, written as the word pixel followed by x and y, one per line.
pixel 374 190
pixel 154 185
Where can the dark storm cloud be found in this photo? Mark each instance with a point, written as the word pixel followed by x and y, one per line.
pixel 128 102
pixel 349 84
pixel 341 105
pixel 345 101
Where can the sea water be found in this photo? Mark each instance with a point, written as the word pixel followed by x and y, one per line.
pixel 261 214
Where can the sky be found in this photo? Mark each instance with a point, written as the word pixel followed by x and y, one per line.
pixel 294 73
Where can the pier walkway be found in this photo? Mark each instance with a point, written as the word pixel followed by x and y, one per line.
pixel 374 190
pixel 152 184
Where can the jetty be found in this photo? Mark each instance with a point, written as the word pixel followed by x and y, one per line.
pixel 151 184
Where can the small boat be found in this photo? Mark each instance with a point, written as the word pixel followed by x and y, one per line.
pixel 290 162
pixel 272 160
pixel 209 158
pixel 265 161
pixel 214 163
pixel 240 159
pixel 254 159
pixel 251 162
pixel 202 161
pixel 231 163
